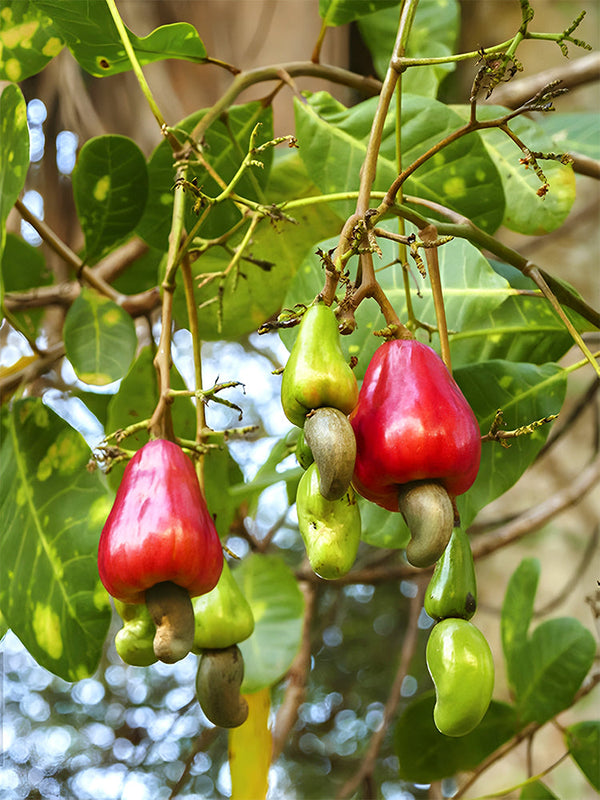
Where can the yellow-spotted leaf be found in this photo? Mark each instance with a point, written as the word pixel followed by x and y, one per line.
pixel 250 750
pixel 100 339
pixel 28 40
pixel 52 509
pixel 110 188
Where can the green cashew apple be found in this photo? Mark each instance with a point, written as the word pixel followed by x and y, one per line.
pixel 316 373
pixel 134 642
pixel 330 528
pixel 223 616
pixel 452 590
pixel 461 666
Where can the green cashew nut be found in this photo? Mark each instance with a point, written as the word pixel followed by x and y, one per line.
pixel 461 666
pixel 428 512
pixel 218 681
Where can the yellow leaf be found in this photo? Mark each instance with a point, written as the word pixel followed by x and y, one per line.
pixel 250 748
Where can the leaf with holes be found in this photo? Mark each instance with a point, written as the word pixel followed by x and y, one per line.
pixel 52 509
pixel 110 187
pixel 100 339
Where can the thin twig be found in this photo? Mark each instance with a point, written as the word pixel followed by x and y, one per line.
pixel 295 691
pixel 524 734
pixel 365 771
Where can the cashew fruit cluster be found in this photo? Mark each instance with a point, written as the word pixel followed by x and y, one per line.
pixel 318 391
pixel 418 443
pixel 160 558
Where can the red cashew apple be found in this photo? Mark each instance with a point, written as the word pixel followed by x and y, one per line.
pixel 417 440
pixel 159 528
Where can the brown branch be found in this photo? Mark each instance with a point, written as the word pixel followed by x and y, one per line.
pixel 524 734
pixel 32 371
pixel 539 515
pixel 365 771
pixel 295 691
pixel 571 74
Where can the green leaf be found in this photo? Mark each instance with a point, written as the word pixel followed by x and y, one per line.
pixel 267 475
pixel 100 338
pixel 381 528
pixel 110 187
pixel 472 291
pixel 28 40
pixel 221 472
pixel 14 149
pixel 523 328
pixel 51 512
pixel 527 212
pixel 537 791
pixel 573 132
pixel 433 35
pixel 525 393
pixel 224 148
pixel 462 177
pixel 23 268
pixel 583 741
pixel 517 611
pixel 136 400
pixel 90 33
pixel 426 755
pixel 340 12
pixel 551 667
pixel 14 158
pixel 278 606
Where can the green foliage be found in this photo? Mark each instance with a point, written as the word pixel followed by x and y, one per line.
pixel 14 152
pixel 100 338
pixel 546 668
pixel 52 510
pixel 277 605
pixel 434 35
pixel 427 755
pixel 110 187
pixel 29 39
pixel 90 33
pixel 583 741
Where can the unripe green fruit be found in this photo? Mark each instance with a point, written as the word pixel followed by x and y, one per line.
pixel 303 452
pixel 429 515
pixel 134 642
pixel 317 373
pixel 452 590
pixel 218 681
pixel 330 528
pixel 330 437
pixel 461 666
pixel 223 615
